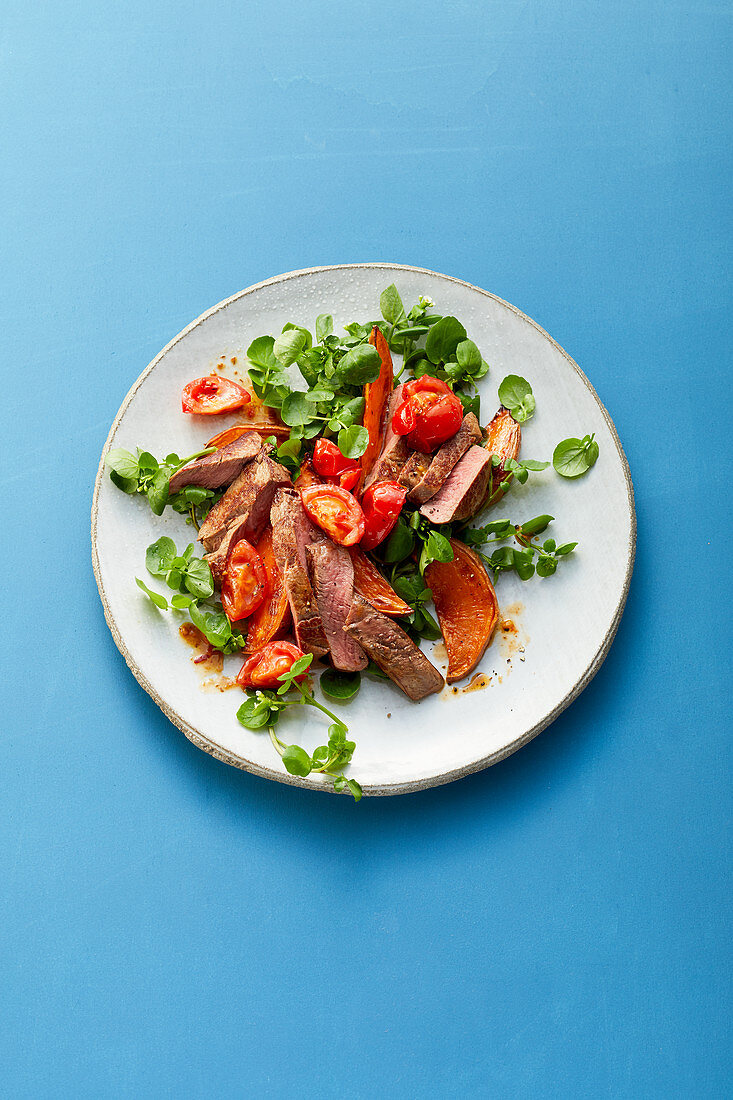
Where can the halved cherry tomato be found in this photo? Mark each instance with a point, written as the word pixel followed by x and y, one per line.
pixel 336 511
pixel 382 504
pixel 428 414
pixel 349 478
pixel 213 394
pixel 329 461
pixel 244 586
pixel 262 669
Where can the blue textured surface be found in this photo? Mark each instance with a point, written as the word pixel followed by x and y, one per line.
pixel 554 927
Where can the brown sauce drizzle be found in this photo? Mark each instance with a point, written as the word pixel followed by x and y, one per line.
pixel 209 658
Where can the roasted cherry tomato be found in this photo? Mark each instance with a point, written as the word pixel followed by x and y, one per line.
pixel 211 395
pixel 328 460
pixel 244 586
pixel 336 511
pixel 262 669
pixel 349 478
pixel 428 414
pixel 382 504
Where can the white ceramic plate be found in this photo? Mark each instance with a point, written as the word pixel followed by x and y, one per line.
pixel 565 623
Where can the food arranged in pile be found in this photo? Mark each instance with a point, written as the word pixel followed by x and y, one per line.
pixel 331 517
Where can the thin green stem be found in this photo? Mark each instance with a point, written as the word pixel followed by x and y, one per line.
pixel 198 454
pixel 279 747
pixel 311 701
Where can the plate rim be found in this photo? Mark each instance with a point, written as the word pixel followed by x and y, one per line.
pixel 375 789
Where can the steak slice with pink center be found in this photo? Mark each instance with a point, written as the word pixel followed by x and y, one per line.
pixel 251 495
pixel 292 534
pixel 464 490
pixel 445 459
pixel 332 577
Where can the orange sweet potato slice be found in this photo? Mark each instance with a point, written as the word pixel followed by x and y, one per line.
pixel 262 427
pixel 271 619
pixel 370 584
pixel 376 395
pixel 503 438
pixel 466 605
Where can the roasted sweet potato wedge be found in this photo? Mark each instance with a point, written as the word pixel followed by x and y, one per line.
pixel 466 606
pixel 370 584
pixel 503 438
pixel 376 395
pixel 271 619
pixel 258 424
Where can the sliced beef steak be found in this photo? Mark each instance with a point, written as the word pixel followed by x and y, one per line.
pixel 445 459
pixel 464 490
pixel 393 650
pixel 221 468
pixel 332 577
pixel 292 534
pixel 251 495
pixel 394 452
pixel 414 470
pixel 217 559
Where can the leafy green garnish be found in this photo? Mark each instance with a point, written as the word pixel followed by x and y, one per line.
pixel 263 708
pixel 179 571
pixel 340 685
pixel 142 473
pixel 157 599
pixel 574 457
pixel 515 394
pixel 529 558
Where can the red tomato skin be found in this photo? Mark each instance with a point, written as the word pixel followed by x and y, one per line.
pixel 262 669
pixel 245 581
pixel 328 460
pixel 212 395
pixel 335 511
pixel 382 504
pixel 350 478
pixel 428 415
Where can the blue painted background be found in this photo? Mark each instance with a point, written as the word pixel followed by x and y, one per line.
pixel 554 927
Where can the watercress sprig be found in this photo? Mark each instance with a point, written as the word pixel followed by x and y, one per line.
pixel 514 468
pixel 263 708
pixel 193 583
pixel 143 473
pixel 522 562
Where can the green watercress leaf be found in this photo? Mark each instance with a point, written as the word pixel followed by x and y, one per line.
pixel 353 441
pixel 574 457
pixel 391 305
pixel 289 345
pixel 360 364
pixel 537 525
pixel 515 393
pixel 198 579
pixel 124 464
pixel 159 556
pixel 295 410
pixel 340 685
pixel 296 760
pixel 443 339
pixel 324 326
pixel 157 599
